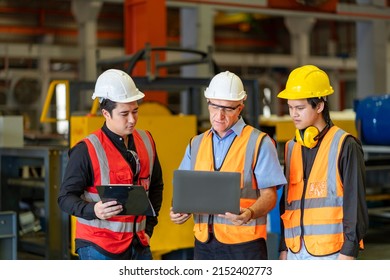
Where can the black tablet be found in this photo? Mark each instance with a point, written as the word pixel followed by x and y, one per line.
pixel 132 197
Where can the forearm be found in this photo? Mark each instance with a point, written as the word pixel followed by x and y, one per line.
pixel 355 215
pixel 265 203
pixel 76 206
pixel 76 178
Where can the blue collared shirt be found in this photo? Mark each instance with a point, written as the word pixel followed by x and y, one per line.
pixel 268 171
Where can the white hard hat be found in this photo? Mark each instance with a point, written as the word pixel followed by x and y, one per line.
pixel 225 86
pixel 117 86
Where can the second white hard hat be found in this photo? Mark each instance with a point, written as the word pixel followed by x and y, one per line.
pixel 225 86
pixel 117 86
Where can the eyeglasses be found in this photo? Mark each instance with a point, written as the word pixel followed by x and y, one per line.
pixel 225 109
pixel 136 162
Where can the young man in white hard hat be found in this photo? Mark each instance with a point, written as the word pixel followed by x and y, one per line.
pixel 323 208
pixel 232 145
pixel 118 153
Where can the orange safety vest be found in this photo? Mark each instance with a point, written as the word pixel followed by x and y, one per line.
pixel 109 167
pixel 241 158
pixel 315 213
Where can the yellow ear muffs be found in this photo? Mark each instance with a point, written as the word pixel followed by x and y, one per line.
pixel 307 137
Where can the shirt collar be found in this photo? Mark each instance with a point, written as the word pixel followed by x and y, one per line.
pixel 117 139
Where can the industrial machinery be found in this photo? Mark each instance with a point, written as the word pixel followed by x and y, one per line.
pixel 372 119
pixel 372 122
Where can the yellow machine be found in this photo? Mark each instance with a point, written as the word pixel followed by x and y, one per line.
pixel 172 134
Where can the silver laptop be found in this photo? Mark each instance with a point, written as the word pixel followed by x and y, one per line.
pixel 209 192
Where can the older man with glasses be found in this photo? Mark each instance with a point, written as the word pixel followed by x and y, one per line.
pixel 232 145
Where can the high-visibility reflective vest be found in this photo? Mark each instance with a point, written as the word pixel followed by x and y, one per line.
pixel 241 158
pixel 109 167
pixel 320 225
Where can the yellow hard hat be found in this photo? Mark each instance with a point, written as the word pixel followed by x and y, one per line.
pixel 307 81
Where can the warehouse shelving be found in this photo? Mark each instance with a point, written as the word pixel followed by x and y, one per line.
pixel 29 186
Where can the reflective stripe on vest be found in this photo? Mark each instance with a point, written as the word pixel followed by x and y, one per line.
pixel 116 233
pixel 223 229
pixel 149 148
pixel 322 201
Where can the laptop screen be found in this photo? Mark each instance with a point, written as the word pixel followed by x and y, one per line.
pixel 209 192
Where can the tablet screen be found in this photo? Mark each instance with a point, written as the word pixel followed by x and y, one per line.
pixel 132 197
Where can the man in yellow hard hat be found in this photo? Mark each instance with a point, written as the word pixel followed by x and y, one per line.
pixel 232 145
pixel 323 207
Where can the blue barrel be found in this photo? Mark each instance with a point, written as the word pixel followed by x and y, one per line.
pixel 373 119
